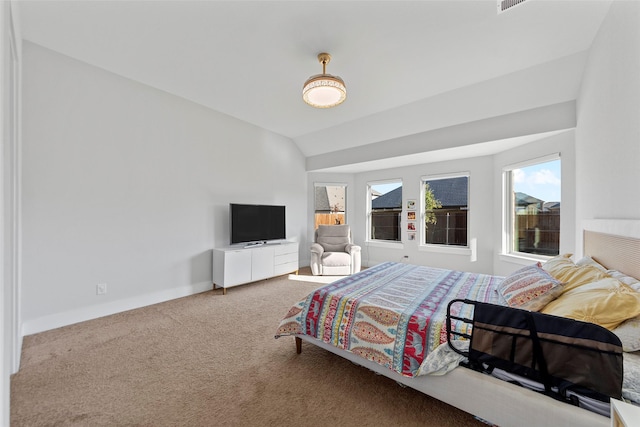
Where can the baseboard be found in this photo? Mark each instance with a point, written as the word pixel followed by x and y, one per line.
pixel 59 320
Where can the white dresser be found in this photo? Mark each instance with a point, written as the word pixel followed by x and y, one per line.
pixel 234 266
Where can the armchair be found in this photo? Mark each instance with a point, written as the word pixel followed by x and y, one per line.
pixel 333 253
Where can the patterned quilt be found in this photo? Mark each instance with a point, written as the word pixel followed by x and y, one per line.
pixel 393 314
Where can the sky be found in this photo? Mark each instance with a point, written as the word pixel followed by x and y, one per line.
pixel 541 181
pixel 385 188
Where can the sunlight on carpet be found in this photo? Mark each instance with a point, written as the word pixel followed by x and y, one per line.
pixel 316 279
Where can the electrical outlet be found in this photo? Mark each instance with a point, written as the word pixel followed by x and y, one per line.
pixel 101 288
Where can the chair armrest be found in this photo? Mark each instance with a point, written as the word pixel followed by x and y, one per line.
pixel 351 248
pixel 317 248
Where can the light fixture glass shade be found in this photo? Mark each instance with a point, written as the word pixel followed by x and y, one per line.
pixel 324 90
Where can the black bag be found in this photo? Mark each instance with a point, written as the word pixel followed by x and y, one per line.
pixel 566 356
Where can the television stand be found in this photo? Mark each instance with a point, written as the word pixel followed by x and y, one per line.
pixel 253 244
pixel 233 266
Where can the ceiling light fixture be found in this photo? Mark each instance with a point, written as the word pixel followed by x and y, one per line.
pixel 324 90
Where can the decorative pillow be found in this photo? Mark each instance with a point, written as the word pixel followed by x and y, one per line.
pixel 565 270
pixel 629 334
pixel 606 302
pixel 587 260
pixel 529 288
pixel 501 300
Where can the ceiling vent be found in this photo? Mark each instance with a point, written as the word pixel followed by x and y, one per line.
pixel 504 5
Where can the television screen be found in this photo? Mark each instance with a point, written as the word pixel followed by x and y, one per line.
pixel 257 223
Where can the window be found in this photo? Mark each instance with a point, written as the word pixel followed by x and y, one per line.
pixel 330 206
pixel 446 209
pixel 532 194
pixel 385 210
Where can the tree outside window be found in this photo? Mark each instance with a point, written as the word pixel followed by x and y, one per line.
pixel 446 210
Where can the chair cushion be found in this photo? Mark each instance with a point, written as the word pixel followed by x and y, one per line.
pixel 336 259
pixel 333 238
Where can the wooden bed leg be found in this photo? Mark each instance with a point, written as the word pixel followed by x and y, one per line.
pixel 298 345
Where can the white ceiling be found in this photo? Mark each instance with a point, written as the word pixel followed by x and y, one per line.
pixel 249 59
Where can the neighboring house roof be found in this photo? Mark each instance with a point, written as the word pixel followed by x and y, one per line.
pixel 551 206
pixel 390 200
pixel 523 199
pixel 322 200
pixel 449 191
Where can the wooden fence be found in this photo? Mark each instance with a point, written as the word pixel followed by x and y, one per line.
pixel 329 219
pixel 450 228
pixel 386 225
pixel 538 233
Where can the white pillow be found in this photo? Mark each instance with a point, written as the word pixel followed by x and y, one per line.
pixel 627 280
pixel 587 260
pixel 629 334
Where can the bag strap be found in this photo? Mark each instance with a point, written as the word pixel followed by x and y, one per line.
pixel 538 354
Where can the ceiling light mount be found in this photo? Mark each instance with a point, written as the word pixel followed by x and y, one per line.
pixel 324 59
pixel 324 90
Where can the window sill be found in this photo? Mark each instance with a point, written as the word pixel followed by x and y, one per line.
pixel 451 250
pixel 522 259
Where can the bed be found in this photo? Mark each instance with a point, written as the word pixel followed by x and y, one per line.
pixel 613 247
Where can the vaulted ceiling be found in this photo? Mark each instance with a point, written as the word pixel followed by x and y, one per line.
pixel 409 67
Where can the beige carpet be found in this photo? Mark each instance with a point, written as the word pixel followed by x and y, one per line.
pixel 206 360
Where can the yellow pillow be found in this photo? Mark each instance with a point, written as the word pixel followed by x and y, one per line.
pixel 565 270
pixel 607 302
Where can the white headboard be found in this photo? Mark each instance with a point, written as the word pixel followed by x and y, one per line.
pixel 614 244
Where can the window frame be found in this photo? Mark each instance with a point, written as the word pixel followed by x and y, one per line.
pixel 508 213
pixel 437 247
pixel 330 184
pixel 369 213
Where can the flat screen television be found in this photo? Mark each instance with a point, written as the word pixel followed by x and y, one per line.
pixel 256 223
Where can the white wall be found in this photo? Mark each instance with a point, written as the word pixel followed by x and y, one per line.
pixel 129 186
pixel 608 131
pixel 481 196
pixel 10 338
